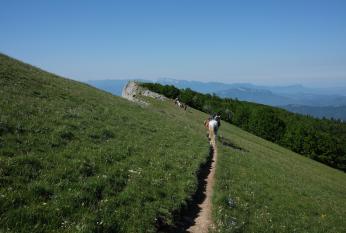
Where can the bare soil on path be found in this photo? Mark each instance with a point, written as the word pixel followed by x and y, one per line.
pixel 203 222
pixel 196 217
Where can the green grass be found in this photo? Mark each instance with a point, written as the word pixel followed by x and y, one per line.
pixel 270 189
pixel 76 159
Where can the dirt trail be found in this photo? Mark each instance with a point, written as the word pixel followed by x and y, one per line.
pixel 203 222
pixel 195 217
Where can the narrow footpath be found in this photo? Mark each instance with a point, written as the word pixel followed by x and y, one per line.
pixel 196 217
pixel 203 222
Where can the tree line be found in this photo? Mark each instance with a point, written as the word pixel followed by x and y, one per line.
pixel 320 139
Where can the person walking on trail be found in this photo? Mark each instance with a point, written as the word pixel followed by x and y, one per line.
pixel 180 104
pixel 177 102
pixel 212 124
pixel 217 117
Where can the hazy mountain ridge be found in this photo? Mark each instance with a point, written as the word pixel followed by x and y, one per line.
pixel 265 96
pixel 297 95
pixel 338 112
pixel 210 87
pixel 255 95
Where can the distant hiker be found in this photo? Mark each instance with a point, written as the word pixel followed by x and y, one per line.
pixel 217 117
pixel 177 102
pixel 180 104
pixel 184 106
pixel 212 124
pixel 206 122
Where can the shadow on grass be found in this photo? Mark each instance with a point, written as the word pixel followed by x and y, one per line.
pixel 185 217
pixel 229 143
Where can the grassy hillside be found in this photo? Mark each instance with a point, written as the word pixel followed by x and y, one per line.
pixel 262 187
pixel 319 139
pixel 76 159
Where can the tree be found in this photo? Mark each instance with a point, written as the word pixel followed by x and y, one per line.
pixel 265 123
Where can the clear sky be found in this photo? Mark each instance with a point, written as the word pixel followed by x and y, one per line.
pixel 259 41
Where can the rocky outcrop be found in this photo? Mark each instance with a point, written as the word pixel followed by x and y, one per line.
pixel 133 90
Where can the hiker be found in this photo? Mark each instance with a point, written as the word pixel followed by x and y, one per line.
pixel 177 102
pixel 212 124
pixel 180 104
pixel 217 117
pixel 206 122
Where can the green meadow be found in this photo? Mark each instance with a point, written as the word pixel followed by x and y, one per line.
pixel 262 187
pixel 77 159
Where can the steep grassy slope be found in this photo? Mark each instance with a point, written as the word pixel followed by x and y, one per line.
pixel 262 187
pixel 321 140
pixel 76 159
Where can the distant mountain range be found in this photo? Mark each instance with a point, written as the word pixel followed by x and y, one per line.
pixel 318 102
pixel 277 97
pixel 215 87
pixel 319 112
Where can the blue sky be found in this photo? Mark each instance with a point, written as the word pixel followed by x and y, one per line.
pixel 262 42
